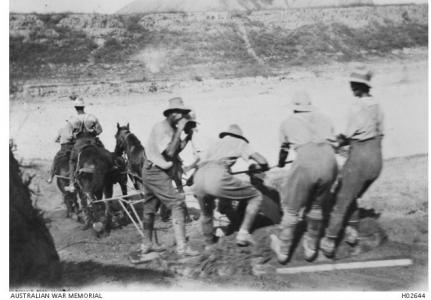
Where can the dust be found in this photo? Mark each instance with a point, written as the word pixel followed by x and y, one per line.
pixel 155 59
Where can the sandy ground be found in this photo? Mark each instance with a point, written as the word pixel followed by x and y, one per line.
pixel 258 105
pixel 398 199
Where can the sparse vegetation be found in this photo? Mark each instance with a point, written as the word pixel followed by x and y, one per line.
pixel 44 44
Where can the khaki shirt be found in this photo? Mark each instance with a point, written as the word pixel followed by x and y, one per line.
pixel 307 127
pixel 365 119
pixel 160 136
pixel 85 123
pixel 65 134
pixel 228 150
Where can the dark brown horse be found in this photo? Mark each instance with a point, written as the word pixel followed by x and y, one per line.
pixel 95 168
pixel 61 170
pixel 127 143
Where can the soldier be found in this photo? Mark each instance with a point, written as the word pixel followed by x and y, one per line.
pixel 313 172
pixel 176 171
pixel 65 138
pixel 163 146
pixel 85 129
pixel 213 180
pixel 364 134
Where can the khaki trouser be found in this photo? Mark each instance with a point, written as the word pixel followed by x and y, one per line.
pixel 157 186
pixel 211 181
pixel 361 169
pixel 307 187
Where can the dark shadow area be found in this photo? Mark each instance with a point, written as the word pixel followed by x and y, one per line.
pixel 368 213
pixel 79 274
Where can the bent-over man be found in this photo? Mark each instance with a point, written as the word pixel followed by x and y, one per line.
pixel 364 134
pixel 213 180
pixel 312 174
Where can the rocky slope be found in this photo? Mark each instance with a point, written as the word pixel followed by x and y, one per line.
pixel 145 6
pixel 76 49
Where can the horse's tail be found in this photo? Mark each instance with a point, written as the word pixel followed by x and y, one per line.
pixel 93 167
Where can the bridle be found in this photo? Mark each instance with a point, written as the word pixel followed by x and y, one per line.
pixel 121 142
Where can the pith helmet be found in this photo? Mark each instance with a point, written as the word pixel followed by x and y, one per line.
pixel 361 74
pixel 301 101
pixel 79 102
pixel 235 131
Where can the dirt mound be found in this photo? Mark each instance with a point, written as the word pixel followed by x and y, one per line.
pixel 226 259
pixel 33 259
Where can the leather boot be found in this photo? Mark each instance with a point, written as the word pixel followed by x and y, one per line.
pixel 178 225
pixel 310 247
pixel 351 236
pixel 327 245
pixel 147 244
pixel 244 238
pixel 280 248
pixel 311 237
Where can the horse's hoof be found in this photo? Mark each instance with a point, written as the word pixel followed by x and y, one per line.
pixel 98 227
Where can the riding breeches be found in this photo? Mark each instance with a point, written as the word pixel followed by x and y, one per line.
pixel 361 169
pixel 157 186
pixel 307 187
pixel 212 180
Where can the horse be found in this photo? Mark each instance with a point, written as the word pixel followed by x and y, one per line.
pixel 94 178
pixel 119 174
pixel 70 199
pixel 127 143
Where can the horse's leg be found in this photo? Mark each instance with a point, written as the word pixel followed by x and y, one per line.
pixel 75 204
pixel 108 191
pixel 85 209
pixel 123 185
pixel 66 200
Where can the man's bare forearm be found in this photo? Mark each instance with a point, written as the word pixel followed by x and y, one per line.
pixel 174 145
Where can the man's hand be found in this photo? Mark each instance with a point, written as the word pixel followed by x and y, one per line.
pixel 282 156
pixel 258 168
pixel 342 140
pixel 263 167
pixel 181 124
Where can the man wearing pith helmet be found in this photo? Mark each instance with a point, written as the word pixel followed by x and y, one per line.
pixel 163 146
pixel 364 135
pixel 213 180
pixel 312 174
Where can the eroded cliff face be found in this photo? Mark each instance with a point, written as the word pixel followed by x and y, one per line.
pixel 92 49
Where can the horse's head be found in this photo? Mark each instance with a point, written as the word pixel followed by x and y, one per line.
pixel 120 138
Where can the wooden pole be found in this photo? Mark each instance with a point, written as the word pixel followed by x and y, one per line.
pixel 131 219
pixel 256 171
pixel 347 266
